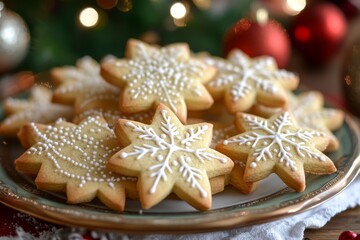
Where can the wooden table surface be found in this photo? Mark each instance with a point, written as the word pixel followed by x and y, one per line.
pixel 348 220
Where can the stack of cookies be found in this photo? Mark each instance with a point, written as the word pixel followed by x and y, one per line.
pixel 164 122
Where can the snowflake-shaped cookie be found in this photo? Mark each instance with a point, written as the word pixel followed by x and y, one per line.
pixel 83 79
pixel 309 112
pixel 105 104
pixel 168 156
pixel 153 75
pixel 73 158
pixel 278 145
pixel 38 108
pixel 245 81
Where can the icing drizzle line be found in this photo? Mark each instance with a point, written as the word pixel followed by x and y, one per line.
pixel 162 147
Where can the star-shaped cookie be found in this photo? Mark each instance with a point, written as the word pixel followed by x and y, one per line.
pixel 278 145
pixel 151 75
pixel 168 156
pixel 309 112
pixel 72 158
pixel 74 81
pixel 37 108
pixel 242 81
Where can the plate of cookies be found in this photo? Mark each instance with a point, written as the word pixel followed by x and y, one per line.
pixel 164 140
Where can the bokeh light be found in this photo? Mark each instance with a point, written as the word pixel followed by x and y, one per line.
pixel 293 7
pixel 88 17
pixel 262 16
pixel 178 10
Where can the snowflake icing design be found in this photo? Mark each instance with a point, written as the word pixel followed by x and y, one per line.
pixel 162 75
pixel 87 153
pixel 277 141
pixel 172 150
pixel 241 75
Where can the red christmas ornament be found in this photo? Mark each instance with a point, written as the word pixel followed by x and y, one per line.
pixel 87 236
pixel 347 235
pixel 257 39
pixel 318 32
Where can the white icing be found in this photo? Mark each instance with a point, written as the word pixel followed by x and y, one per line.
pixel 158 147
pixel 193 135
pixel 243 75
pixel 280 139
pixel 76 158
pixel 253 165
pixel 163 74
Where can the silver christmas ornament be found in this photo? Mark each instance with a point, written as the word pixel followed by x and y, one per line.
pixel 14 39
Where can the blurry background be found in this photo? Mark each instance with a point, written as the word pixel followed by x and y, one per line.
pixel 61 31
pixel 311 37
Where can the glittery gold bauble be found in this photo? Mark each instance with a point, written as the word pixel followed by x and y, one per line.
pixel 351 79
pixel 14 39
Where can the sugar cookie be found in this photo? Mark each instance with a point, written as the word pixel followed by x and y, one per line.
pixel 153 75
pixel 83 79
pixel 37 108
pixel 308 110
pixel 278 145
pixel 168 156
pixel 72 158
pixel 242 81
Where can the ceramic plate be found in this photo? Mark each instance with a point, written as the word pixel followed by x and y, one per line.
pixel 271 200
